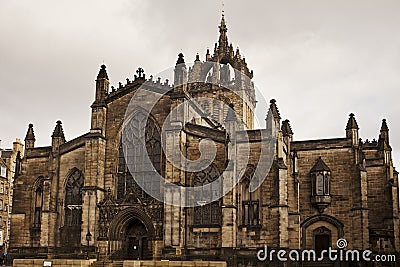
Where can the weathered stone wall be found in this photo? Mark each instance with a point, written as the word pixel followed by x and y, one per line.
pixel 34 165
pixel 55 263
pixel 344 177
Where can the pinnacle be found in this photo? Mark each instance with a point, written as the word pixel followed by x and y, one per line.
pixel 102 73
pixel 286 128
pixel 30 135
pixel 58 131
pixel 274 109
pixel 352 123
pixel 384 126
pixel 181 59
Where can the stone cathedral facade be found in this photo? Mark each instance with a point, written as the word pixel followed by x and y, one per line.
pixel 78 196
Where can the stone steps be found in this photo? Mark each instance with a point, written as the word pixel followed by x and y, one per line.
pixel 107 264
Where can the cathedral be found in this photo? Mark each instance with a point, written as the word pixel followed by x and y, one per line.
pixel 81 198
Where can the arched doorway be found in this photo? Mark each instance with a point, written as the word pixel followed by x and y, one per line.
pixel 131 235
pixel 137 244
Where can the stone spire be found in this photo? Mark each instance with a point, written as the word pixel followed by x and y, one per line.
pixel 58 131
pixel 273 118
pixel 58 137
pixel 352 130
pixel 384 126
pixel 274 109
pixel 180 72
pixel 102 73
pixel 224 53
pixel 223 38
pixel 286 128
pixel 384 131
pixel 30 137
pixel 352 123
pixel 102 87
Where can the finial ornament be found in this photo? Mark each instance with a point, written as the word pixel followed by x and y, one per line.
pixel 140 72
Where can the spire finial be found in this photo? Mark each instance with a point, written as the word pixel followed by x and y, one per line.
pixel 222 28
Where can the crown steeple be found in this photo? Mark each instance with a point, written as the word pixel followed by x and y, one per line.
pixel 223 38
pixel 224 52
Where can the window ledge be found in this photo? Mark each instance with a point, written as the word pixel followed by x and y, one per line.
pixel 255 227
pixel 212 228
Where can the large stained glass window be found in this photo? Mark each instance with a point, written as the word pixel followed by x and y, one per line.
pixel 141 142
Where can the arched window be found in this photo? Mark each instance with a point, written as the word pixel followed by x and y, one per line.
pixel 250 200
pixel 73 208
pixel 135 152
pixel 207 214
pixel 38 201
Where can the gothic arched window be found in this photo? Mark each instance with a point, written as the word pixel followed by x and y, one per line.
pixel 250 200
pixel 38 201
pixel 207 214
pixel 73 208
pixel 150 140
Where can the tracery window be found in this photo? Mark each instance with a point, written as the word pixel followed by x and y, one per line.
pixel 38 198
pixel 207 214
pixel 73 208
pixel 250 200
pixel 150 139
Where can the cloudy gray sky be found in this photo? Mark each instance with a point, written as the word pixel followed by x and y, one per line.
pixel 320 59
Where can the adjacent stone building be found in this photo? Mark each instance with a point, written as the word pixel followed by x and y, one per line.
pixel 78 197
pixel 9 158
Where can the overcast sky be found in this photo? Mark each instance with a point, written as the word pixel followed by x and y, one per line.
pixel 320 59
